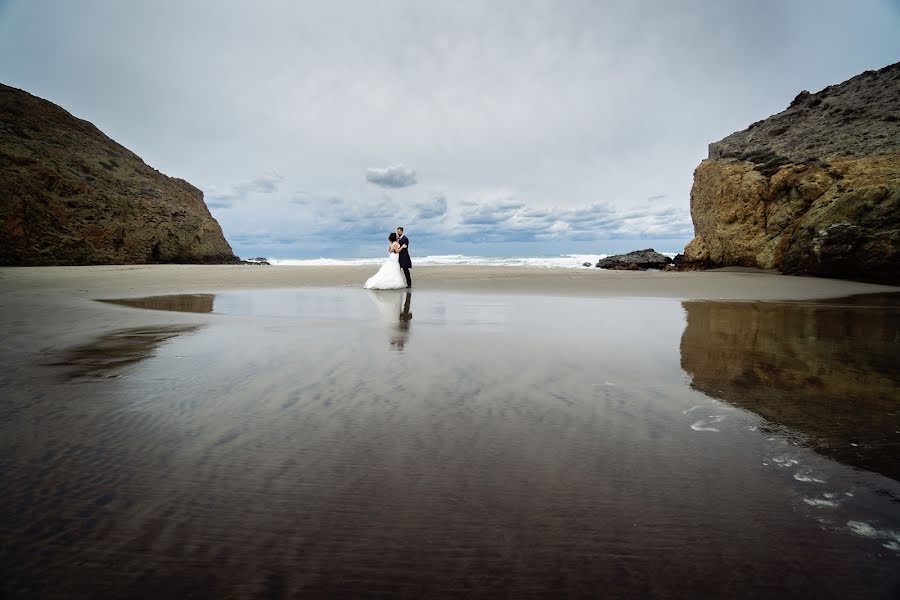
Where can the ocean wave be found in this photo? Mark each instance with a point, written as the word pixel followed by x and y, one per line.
pixel 564 261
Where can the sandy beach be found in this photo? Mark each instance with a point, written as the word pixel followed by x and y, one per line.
pixel 54 306
pixel 279 431
pixel 736 283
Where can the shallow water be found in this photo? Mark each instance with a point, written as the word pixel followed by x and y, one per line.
pixel 320 442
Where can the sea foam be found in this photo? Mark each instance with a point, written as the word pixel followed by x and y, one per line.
pixel 564 261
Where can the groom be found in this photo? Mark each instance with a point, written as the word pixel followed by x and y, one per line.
pixel 405 262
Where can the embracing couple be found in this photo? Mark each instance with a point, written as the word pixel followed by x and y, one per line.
pixel 394 273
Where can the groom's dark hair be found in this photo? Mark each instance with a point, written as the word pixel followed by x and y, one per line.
pixel 399 229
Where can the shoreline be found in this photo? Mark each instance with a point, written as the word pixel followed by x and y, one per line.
pixel 720 284
pixel 46 309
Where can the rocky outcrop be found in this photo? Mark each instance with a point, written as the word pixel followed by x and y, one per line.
pixel 827 371
pixel 812 190
pixel 69 195
pixel 635 261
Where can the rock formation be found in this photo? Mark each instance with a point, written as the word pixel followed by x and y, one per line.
pixel 635 261
pixel 69 195
pixel 812 190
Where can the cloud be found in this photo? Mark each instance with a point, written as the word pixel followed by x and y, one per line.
pixel 507 220
pixel 394 176
pixel 384 213
pixel 253 238
pixel 491 212
pixel 219 203
pixel 320 224
pixel 267 183
pixel 301 198
pixel 565 104
pixel 351 220
pixel 435 208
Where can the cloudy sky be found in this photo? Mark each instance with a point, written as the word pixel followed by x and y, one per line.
pixel 519 127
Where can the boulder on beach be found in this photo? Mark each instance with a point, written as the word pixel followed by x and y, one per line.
pixel 635 261
pixel 70 195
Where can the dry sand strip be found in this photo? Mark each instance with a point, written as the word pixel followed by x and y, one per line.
pixel 143 280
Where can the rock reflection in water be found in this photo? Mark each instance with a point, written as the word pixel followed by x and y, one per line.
pixel 829 371
pixel 195 303
pixel 109 354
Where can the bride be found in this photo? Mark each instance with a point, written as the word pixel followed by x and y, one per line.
pixel 389 276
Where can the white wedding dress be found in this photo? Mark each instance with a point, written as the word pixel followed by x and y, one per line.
pixel 389 276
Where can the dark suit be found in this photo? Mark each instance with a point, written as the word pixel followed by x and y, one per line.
pixel 405 262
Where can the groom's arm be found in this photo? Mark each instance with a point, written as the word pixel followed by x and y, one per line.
pixel 406 245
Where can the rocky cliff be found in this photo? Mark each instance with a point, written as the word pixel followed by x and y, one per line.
pixel 812 190
pixel 69 195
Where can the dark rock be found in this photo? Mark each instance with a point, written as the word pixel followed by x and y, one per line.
pixel 681 263
pixel 866 102
pixel 587 264
pixel 69 195
pixel 634 261
pixel 801 98
pixel 625 266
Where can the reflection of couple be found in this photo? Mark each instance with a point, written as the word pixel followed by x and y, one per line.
pixel 395 309
pixel 399 339
pixel 394 273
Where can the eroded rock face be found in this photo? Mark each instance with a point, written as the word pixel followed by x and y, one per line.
pixel 812 190
pixel 69 195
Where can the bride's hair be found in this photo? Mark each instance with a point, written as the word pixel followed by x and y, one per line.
pixel 392 237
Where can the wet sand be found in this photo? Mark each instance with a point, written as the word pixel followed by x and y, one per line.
pixel 54 307
pixel 174 279
pixel 528 434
